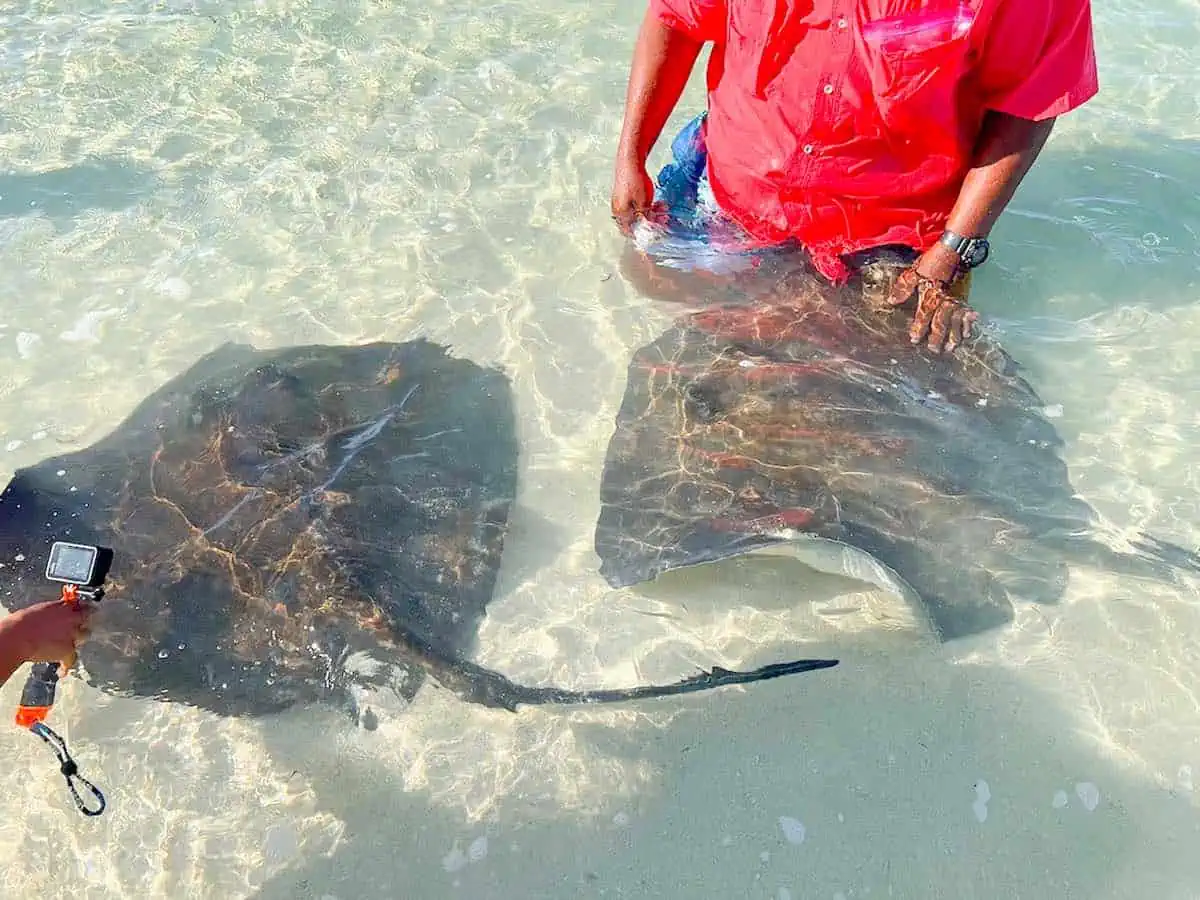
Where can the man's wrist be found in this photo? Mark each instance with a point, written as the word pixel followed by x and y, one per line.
pixel 971 247
pixel 939 263
pixel 630 157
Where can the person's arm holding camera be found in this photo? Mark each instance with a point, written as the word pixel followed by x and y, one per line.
pixel 43 632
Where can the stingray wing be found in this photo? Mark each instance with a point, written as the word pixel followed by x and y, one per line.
pixel 748 425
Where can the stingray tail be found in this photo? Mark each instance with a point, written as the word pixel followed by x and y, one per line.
pixel 475 684
pixel 1151 558
pixel 1171 555
pixel 496 690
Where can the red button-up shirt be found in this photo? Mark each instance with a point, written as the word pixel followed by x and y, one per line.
pixel 847 124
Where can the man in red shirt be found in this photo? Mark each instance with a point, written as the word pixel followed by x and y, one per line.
pixel 853 126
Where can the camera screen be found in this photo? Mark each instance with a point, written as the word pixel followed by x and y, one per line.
pixel 71 562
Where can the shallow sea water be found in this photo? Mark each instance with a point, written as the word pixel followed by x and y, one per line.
pixel 178 174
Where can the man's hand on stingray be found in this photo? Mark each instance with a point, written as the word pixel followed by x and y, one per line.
pixel 633 197
pixel 940 315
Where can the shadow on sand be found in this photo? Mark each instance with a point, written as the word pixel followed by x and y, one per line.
pixel 882 760
pixel 105 184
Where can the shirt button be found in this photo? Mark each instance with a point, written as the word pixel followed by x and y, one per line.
pixel 828 89
pixel 841 22
pixel 808 148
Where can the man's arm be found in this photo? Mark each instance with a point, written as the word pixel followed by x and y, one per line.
pixel 663 59
pixel 1037 62
pixel 1006 149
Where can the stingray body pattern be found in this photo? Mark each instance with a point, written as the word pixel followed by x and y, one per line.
pixel 808 414
pixel 274 513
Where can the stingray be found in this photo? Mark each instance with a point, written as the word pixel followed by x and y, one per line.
pixel 276 515
pixel 763 423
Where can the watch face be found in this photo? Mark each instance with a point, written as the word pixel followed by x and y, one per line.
pixel 975 253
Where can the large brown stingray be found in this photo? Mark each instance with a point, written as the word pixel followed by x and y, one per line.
pixel 274 512
pixel 808 414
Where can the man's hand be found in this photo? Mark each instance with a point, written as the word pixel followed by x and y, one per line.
pixel 48 631
pixel 632 194
pixel 946 319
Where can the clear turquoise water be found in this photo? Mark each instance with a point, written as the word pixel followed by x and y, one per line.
pixel 173 175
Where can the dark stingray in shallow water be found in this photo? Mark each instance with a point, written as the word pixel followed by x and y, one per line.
pixel 752 424
pixel 273 512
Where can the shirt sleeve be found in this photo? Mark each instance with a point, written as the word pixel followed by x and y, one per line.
pixel 1038 58
pixel 701 20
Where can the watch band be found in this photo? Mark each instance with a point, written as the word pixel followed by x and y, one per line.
pixel 955 242
pixel 971 251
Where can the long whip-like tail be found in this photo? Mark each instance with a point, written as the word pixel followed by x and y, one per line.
pixel 476 684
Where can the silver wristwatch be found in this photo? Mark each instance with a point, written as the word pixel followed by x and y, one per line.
pixel 972 251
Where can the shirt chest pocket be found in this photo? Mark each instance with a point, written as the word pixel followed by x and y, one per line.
pixel 916 60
